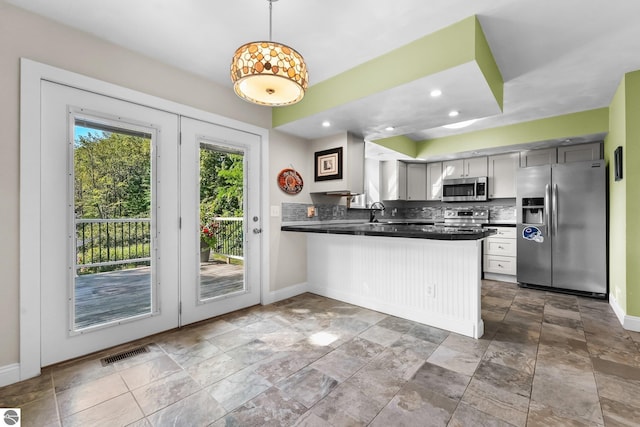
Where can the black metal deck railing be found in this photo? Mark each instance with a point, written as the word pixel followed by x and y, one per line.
pixel 109 244
pixel 230 237
pixel 113 244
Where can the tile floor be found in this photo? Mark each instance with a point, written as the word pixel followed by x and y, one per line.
pixel 545 359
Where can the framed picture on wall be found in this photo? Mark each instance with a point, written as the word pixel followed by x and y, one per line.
pixel 328 164
pixel 617 157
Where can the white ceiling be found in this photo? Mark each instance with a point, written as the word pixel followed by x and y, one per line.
pixel 556 57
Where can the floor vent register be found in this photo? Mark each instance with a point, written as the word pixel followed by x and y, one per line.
pixel 106 361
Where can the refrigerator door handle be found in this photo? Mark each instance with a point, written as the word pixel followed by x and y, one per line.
pixel 547 216
pixel 554 209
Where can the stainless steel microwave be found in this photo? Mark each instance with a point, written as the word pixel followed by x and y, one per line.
pixel 464 189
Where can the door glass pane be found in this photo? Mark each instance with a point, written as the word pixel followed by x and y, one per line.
pixel 221 222
pixel 112 192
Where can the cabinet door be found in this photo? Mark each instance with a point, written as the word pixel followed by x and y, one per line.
pixel 416 181
pixel 476 166
pixel 434 181
pixel 580 153
pixel 453 168
pixel 498 246
pixel 502 175
pixel 394 180
pixel 545 156
pixel 500 264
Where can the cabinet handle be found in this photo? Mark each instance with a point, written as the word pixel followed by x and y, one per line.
pixel 500 265
pixel 500 247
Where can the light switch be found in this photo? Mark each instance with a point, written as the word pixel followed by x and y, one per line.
pixel 275 211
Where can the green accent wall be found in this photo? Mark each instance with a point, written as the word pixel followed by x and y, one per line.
pixel 624 197
pixel 401 144
pixel 565 126
pixel 488 66
pixel 449 47
pixel 617 199
pixel 632 146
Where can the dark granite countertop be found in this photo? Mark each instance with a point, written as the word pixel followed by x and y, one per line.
pixel 395 229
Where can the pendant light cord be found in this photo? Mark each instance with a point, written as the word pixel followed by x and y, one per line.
pixel 270 15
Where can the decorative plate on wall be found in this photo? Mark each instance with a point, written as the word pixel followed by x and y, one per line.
pixel 290 181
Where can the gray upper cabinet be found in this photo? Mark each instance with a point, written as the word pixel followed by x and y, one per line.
pixel 545 156
pixel 580 152
pixel 416 181
pixel 393 177
pixel 562 154
pixel 434 181
pixel 476 166
pixel 502 175
pixel 465 168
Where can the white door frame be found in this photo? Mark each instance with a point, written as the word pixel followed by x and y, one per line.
pixel 31 75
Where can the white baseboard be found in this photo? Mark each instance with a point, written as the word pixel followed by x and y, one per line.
pixel 630 323
pixel 9 374
pixel 288 292
pixel 501 277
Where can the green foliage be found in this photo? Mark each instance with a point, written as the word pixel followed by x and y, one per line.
pixel 112 173
pixel 221 184
pixel 112 176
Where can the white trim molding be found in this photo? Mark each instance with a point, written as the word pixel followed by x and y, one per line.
pixel 630 323
pixel 282 294
pixel 9 374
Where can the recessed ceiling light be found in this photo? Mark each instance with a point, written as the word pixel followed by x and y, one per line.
pixel 389 128
pixel 326 124
pixel 454 113
pixel 435 93
pixel 460 125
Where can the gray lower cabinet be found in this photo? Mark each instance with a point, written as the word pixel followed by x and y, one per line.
pixel 500 255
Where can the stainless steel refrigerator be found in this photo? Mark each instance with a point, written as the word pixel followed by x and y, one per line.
pixel 562 227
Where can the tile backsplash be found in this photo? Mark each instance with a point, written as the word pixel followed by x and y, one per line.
pixel 297 212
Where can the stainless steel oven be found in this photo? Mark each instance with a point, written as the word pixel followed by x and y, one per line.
pixel 464 189
pixel 466 217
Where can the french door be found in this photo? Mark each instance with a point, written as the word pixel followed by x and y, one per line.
pixel 220 217
pixel 109 255
pixel 121 221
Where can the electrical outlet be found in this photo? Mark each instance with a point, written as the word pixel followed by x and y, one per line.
pixel 311 211
pixel 431 291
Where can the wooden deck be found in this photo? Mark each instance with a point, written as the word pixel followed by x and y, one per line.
pixel 117 295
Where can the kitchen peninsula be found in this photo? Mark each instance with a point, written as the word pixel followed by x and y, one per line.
pixel 426 273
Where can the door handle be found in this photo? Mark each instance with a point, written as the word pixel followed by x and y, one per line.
pixel 554 208
pixel 257 230
pixel 547 214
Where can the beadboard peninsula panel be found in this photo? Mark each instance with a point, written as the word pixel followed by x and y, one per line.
pixel 434 282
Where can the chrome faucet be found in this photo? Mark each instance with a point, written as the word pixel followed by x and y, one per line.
pixel 375 206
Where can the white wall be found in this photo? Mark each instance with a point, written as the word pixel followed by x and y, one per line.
pixel 288 250
pixel 23 34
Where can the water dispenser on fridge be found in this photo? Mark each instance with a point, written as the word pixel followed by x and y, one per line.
pixel 533 210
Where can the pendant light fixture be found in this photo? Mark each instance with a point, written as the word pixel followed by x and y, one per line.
pixel 269 73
